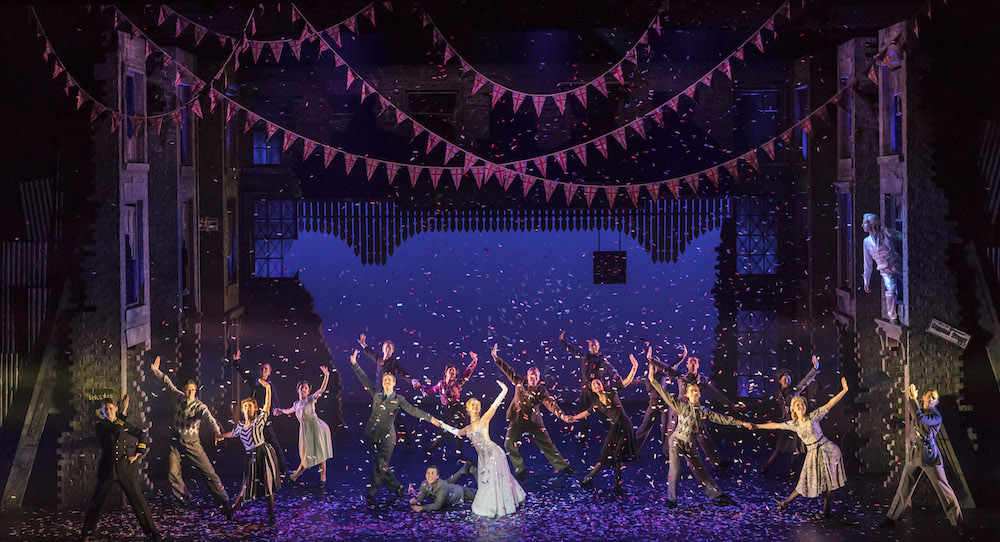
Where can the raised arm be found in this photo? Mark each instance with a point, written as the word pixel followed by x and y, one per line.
pixel 361 374
pixel 836 398
pixel 416 412
pixel 666 396
pixel 631 374
pixel 572 349
pixel 507 370
pixel 369 351
pixel 496 403
pixel 806 380
pixel 467 374
pixel 167 383
pixel 267 397
pixel 322 387
pixel 722 419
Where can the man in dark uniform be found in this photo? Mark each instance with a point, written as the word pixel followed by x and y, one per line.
pixel 657 408
pixel 524 416
pixel 380 428
pixel 924 457
pixel 115 468
pixel 389 363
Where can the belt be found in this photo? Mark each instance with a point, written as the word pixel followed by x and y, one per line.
pixel 818 442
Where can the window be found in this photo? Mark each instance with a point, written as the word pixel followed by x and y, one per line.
pixel 845 240
pixel 232 261
pixel 801 112
pixel 186 132
pixel 846 129
pixel 274 229
pixel 895 124
pixel 893 218
pixel 266 151
pixel 756 118
pixel 187 243
pixel 135 266
pixel 135 141
pixel 756 356
pixel 756 235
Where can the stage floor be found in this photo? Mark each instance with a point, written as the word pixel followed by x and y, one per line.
pixel 556 507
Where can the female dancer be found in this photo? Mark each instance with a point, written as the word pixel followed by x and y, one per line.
pixel 260 466
pixel 449 391
pixel 499 493
pixel 823 470
pixel 315 443
pixel 619 444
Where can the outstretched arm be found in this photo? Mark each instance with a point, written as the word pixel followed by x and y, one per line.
pixel 167 383
pixel 572 349
pixel 267 397
pixel 836 398
pixel 361 374
pixel 631 374
pixel 507 370
pixel 806 380
pixel 467 374
pixel 771 426
pixel 666 396
pixel 496 403
pixel 326 380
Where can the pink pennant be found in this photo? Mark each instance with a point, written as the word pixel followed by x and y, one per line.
pixel 136 123
pixel 448 53
pixel 619 136
pixel 518 98
pixel 436 36
pixel 400 116
pixel 769 149
pixel 456 176
pixel 692 181
pixel 617 73
pixel 498 92
pixel 713 175
pixel 560 100
pixel 787 9
pixel 387 4
pixel 162 17
pixel 296 47
pixel 350 79
pixel 391 170
pixel 550 187
pixel 413 172
pixel 758 41
pixel 181 25
pixel 81 97
pixel 464 66
pixel 541 163
pixel 581 95
pixel 371 166
pixel 751 158
pixel 57 69
pixel 639 127
pixel 632 57
pixel 539 103
pixel 675 187
pixel 323 47
pixel 873 75
pixel 289 139
pixel 349 161
pixel 271 129
pixel 478 83
pixel 155 123
pixel 727 69
pixel 432 141
pixel 470 160
pixel 196 108
pixel 588 192
pixel 256 47
pixel 807 126
pixel 658 116
pixel 526 184
pixel 506 177
pixel 477 174
pixel 308 146
pixel 490 170
pixel 369 12
pixel 656 24
pixel 633 194
pixel 769 25
pixel 600 85
pixel 50 51
pixel 449 152
pixel 334 33
pixel 602 145
pixel 739 54
pixel 561 160
pixel 673 103
pixel 351 24
pixel 366 91
pixel 230 111
pixel 707 79
pixel 328 154
pixel 435 176
pixel 581 153
pixel 213 99
pixel 733 169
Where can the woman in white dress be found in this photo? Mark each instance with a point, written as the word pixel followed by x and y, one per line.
pixel 499 493
pixel 823 470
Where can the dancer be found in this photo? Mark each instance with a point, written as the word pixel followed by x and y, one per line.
pixel 878 250
pixel 260 463
pixel 114 468
pixel 446 493
pixel 619 444
pixel 449 391
pixel 380 428
pixel 705 440
pixel 499 493
pixel 186 441
pixel 690 422
pixel 389 363
pixel 823 471
pixel 657 408
pixel 315 443
pixel 523 416
pixel 788 443
pixel 593 365
pixel 263 377
pixel 924 457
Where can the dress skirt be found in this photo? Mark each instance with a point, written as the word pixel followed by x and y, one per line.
pixel 823 469
pixel 260 473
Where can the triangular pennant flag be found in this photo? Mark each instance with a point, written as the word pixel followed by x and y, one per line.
pixel 271 129
pixel 478 81
pixel 464 66
pixel 490 170
pixel 256 47
pixel 155 123
pixel 230 111
pixel 769 149
pixel 631 57
pixel 673 103
pixel 619 136
pixel 644 39
pixel 692 181
pixel 323 47
pixel 177 76
pixel 506 177
pixel 449 152
pixel 751 158
pixel 425 19
pixel 600 85
pixel 539 103
pixel 196 108
pixel 136 123
pixel 435 176
pixel 81 97
pixel 334 33
pixel 518 98
pixel 456 176
pixel 349 161
pixel 181 25
pixel 733 169
pixel 560 100
pixel 707 79
pixel 787 9
pixel 588 192
pixel 387 4
pixel 366 91
pixel 222 39
pixel 758 41
pixel 413 172
pixel 436 36
pixel 307 34
pixel 602 145
pixel 448 53
pixel 391 170
pixel 675 187
pixel 823 113
pixel 739 54
pixel 541 163
pixel 690 91
pixel 498 92
pixel 175 116
pixel 581 153
pixel 521 167
pixel 727 69
pixel 713 175
pixel 116 119
pixel 477 174
pixel 253 25
pixel 658 116
pixel 371 166
pixel 213 99
pixel 550 187
pixel 561 159
pixel 276 49
pixel 527 183
pixel 351 23
pixel 656 24
pixel 769 25
pixel 417 129
pixel 838 100
pixel 308 146
pixel 639 127
pixel 617 73
pixel 289 139
pixel 432 141
pixel 369 12
pixel 633 194
pixel 806 125
pixel 581 95
pixel 350 79
pixel 57 69
pixel 400 116
pixel 50 51
pixel 162 17
pixel 470 160
pixel 873 75
pixel 328 154
pixel 295 14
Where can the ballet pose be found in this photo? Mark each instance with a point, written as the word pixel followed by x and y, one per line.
pixel 260 464
pixel 924 457
pixel 380 429
pixel 524 416
pixel 787 443
pixel 619 443
pixel 115 468
pixel 823 470
pixel 499 494
pixel 449 391
pixel 315 443
pixel 690 422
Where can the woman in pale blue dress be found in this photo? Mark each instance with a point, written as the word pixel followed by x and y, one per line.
pixel 315 443
pixel 823 470
pixel 498 494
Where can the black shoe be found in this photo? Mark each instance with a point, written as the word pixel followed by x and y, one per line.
pixel 724 500
pixel 619 490
pixel 723 465
pixel 227 511
pixel 568 471
pixel 587 483
pixel 370 501
pixel 521 475
pixel 467 467
pixel 671 504
pixel 887 522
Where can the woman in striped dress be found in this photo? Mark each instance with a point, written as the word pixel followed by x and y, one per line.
pixel 823 470
pixel 260 466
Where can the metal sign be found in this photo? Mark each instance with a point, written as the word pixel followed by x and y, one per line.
pixel 208 224
pixel 949 333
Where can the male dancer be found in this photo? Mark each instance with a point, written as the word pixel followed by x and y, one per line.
pixel 878 250
pixel 115 468
pixel 657 407
pixel 788 442
pixel 593 365
pixel 924 457
pixel 690 422
pixel 388 363
pixel 186 441
pixel 704 439
pixel 446 493
pixel 449 391
pixel 523 416
pixel 380 428
pixel 259 395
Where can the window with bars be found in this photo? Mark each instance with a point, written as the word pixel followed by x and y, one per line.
pixel 186 133
pixel 266 151
pixel 232 261
pixel 757 351
pixel 135 266
pixel 135 106
pixel 274 229
pixel 756 235
pixel 845 240
pixel 756 117
pixel 845 124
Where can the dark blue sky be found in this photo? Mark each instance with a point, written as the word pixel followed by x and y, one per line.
pixel 445 293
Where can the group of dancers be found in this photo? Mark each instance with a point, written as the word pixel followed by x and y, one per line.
pixel 498 471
